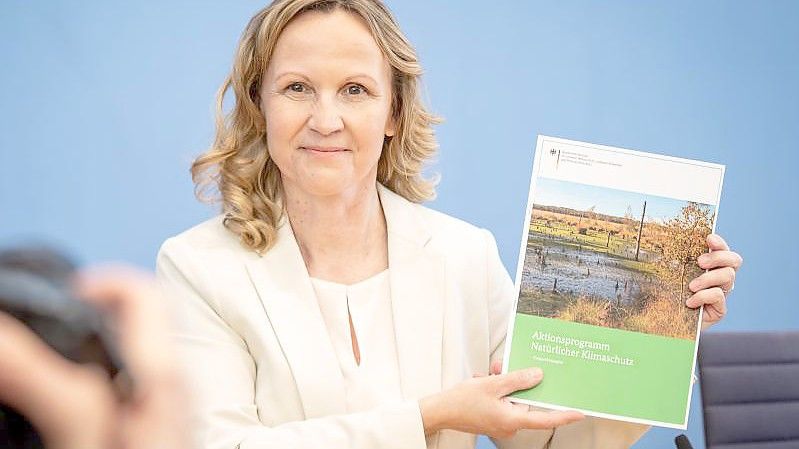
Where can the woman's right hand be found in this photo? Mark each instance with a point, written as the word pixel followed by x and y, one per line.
pixel 480 406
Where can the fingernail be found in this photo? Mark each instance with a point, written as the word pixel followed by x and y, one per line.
pixel 535 374
pixel 702 259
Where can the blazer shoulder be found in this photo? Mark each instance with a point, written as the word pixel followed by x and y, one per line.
pixel 454 235
pixel 203 259
pixel 210 236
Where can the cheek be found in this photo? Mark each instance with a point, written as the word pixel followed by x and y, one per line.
pixel 283 123
pixel 370 133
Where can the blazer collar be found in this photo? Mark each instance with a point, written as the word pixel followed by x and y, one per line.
pixel 416 276
pixel 284 287
pixel 403 219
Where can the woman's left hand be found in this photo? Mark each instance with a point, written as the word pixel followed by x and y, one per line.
pixel 712 287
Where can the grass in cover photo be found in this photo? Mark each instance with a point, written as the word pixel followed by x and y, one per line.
pixel 613 258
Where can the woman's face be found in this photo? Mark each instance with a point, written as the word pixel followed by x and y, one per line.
pixel 326 97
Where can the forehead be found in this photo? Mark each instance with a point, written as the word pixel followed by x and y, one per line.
pixel 327 41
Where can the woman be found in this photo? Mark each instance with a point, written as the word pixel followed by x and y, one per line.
pixel 326 307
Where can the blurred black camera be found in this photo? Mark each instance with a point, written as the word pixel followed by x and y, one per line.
pixel 35 288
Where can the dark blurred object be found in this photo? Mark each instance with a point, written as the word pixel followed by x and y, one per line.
pixel 750 389
pixel 35 289
pixel 682 442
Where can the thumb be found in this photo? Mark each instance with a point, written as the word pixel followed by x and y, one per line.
pixel 518 380
pixel 496 367
pixel 32 374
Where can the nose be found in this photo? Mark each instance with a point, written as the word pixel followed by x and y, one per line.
pixel 325 117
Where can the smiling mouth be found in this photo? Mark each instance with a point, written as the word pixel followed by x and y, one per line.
pixel 325 149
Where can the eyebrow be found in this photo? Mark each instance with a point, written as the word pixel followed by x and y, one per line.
pixel 362 75
pixel 348 79
pixel 290 73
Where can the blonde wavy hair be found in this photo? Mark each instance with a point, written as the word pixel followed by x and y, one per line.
pixel 237 168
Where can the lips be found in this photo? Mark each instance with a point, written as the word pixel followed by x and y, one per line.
pixel 319 149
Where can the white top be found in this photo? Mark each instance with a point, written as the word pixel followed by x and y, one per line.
pixel 376 380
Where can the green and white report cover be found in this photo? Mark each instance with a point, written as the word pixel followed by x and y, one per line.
pixel 610 242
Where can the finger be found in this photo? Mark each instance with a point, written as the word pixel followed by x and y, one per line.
pixel 51 391
pixel 24 357
pixel 719 277
pixel 156 412
pixel 710 297
pixel 547 420
pixel 716 243
pixel 134 304
pixel 713 313
pixel 120 290
pixel 496 367
pixel 718 259
pixel 518 380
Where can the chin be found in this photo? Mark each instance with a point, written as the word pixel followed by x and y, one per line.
pixel 330 180
pixel 328 184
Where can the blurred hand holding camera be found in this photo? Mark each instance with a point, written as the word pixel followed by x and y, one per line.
pixel 74 405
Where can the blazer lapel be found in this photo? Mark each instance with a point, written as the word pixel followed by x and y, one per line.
pixel 417 279
pixel 417 276
pixel 284 286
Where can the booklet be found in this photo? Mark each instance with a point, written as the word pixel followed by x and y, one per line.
pixel 610 242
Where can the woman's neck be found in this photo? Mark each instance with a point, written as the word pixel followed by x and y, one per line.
pixel 342 238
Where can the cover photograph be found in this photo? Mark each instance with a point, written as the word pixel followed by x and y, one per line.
pixel 609 245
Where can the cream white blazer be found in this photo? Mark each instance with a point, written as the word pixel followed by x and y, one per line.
pixel 262 369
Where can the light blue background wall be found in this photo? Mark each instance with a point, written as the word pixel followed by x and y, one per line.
pixel 104 104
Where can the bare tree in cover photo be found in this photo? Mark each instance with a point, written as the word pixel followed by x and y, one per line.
pixel 612 258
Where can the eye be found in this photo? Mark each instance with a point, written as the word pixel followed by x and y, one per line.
pixel 355 89
pixel 296 88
